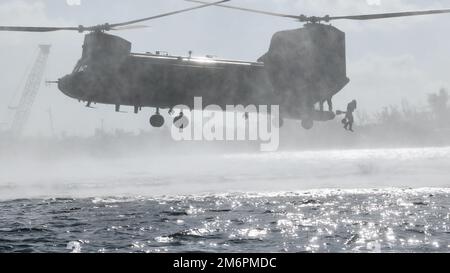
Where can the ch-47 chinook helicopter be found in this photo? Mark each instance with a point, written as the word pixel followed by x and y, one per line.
pixel 303 67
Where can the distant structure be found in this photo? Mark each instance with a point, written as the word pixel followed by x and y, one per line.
pixel 29 92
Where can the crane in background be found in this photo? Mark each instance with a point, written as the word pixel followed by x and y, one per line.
pixel 29 93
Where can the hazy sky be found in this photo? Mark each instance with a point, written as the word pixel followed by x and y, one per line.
pixel 388 60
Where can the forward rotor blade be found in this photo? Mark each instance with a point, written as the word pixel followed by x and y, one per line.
pixel 104 27
pixel 36 29
pixel 167 14
pixel 390 15
pixel 130 27
pixel 249 10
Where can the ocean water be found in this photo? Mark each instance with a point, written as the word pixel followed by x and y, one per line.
pixel 382 200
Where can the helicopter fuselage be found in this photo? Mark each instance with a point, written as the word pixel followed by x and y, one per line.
pixel 163 81
pixel 286 76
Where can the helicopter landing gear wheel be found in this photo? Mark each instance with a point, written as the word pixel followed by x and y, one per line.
pixel 157 120
pixel 307 124
pixel 278 121
pixel 181 122
pixel 281 122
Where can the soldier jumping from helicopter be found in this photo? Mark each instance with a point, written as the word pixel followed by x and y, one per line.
pixel 349 119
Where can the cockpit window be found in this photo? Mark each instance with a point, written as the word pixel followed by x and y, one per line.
pixel 80 67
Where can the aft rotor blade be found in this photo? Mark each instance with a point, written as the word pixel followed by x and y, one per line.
pixel 304 18
pixel 167 14
pixel 249 10
pixel 390 15
pixel 36 29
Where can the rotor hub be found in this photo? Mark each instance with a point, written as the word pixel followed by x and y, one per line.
pixel 314 19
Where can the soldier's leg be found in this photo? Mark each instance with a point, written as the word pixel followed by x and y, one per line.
pixel 330 105
pixel 351 121
pixel 347 120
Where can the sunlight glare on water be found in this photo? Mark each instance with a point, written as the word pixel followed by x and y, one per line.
pixel 389 220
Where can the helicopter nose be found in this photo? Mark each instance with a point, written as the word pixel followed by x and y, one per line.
pixel 64 85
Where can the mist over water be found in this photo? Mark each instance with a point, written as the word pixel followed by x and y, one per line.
pixel 182 174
